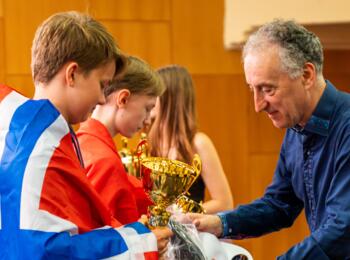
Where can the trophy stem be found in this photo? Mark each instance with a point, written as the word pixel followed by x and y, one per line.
pixel 159 217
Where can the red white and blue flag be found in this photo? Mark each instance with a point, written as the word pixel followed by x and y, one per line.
pixel 48 209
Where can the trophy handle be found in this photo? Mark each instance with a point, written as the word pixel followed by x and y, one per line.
pixel 197 167
pixel 197 164
pixel 141 149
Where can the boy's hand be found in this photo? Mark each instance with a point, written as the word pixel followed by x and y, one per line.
pixel 144 220
pixel 163 235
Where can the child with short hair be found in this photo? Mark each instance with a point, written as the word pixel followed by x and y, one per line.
pixel 49 209
pixel 130 100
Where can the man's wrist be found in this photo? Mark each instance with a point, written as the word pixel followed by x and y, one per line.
pixel 224 224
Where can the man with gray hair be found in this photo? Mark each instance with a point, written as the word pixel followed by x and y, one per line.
pixel 283 68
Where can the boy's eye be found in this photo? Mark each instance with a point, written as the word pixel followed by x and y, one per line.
pixel 149 108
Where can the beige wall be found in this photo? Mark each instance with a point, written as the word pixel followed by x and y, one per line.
pixel 187 33
pixel 242 16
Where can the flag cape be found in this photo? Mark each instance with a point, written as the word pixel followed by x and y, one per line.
pixel 48 209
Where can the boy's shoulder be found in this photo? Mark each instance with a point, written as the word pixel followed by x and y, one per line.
pixel 29 127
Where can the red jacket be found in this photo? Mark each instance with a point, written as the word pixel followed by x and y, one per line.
pixel 122 193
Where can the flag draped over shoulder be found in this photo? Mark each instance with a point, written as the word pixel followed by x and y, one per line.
pixel 48 209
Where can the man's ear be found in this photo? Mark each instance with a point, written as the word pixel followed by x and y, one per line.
pixel 309 75
pixel 70 72
pixel 122 97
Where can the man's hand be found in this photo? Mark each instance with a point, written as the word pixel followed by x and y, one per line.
pixel 163 235
pixel 206 223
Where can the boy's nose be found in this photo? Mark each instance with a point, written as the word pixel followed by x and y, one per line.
pixel 102 99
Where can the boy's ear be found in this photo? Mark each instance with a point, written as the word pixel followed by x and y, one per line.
pixel 70 72
pixel 122 97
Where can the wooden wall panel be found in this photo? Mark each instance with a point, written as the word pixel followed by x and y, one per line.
pixel 21 20
pixel 131 9
pixel 337 68
pixel 336 62
pixel 2 47
pixel 340 81
pixel 2 51
pixel 221 114
pixel 1 8
pixel 21 83
pixel 198 38
pixel 150 41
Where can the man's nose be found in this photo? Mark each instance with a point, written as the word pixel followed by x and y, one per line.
pixel 259 101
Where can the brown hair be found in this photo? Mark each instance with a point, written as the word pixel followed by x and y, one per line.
pixel 139 78
pixel 72 36
pixel 175 124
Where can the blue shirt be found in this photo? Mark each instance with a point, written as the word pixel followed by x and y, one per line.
pixel 313 172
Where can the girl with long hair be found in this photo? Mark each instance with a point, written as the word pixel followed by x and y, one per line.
pixel 174 134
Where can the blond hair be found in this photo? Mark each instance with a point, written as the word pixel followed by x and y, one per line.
pixel 175 125
pixel 72 36
pixel 139 78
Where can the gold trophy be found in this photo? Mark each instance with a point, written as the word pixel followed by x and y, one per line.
pixel 165 180
pixel 131 159
pixel 126 156
pixel 186 205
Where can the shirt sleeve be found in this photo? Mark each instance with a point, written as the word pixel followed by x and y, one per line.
pixel 277 209
pixel 133 241
pixel 143 200
pixel 112 183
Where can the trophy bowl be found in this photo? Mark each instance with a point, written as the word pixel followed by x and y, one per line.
pixel 164 181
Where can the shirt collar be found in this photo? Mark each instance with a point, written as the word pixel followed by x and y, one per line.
pixel 96 128
pixel 320 119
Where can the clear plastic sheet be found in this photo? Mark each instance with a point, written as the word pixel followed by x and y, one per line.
pixel 185 244
pixel 189 244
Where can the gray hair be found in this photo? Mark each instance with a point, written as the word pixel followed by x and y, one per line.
pixel 297 45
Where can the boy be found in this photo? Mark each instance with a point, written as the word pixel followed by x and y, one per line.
pixel 48 207
pixel 129 102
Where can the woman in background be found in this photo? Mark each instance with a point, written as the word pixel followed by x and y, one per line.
pixel 174 135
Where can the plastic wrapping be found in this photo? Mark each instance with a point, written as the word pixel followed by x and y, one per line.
pixel 188 243
pixel 185 244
